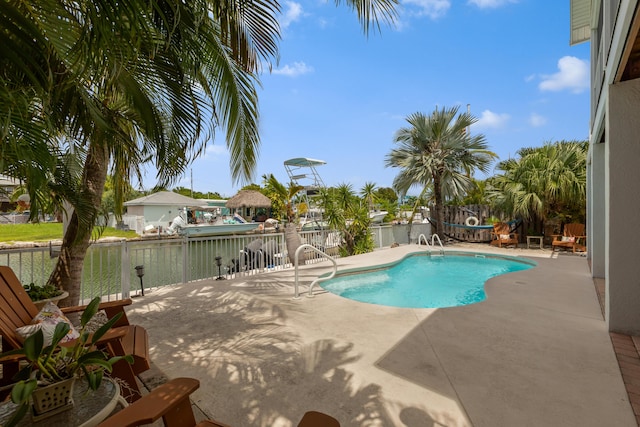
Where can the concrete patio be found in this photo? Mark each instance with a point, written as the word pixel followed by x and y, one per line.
pixel 535 352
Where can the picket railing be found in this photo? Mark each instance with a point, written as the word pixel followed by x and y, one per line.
pixel 110 267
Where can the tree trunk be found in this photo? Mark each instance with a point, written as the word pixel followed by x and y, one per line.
pixel 437 196
pixel 293 242
pixel 67 273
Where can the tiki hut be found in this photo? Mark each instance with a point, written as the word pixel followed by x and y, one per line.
pixel 251 205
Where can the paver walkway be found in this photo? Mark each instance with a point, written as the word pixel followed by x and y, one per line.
pixel 627 349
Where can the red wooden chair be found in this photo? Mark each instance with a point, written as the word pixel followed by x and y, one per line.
pixel 171 402
pixel 572 237
pixel 502 235
pixel 17 309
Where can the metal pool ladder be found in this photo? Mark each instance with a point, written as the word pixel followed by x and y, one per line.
pixel 434 237
pixel 319 279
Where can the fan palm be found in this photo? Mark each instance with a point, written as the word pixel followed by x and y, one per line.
pixel 543 182
pixel 436 150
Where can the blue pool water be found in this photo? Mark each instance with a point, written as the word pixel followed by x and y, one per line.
pixel 419 281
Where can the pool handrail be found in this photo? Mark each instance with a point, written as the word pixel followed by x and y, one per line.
pixel 296 256
pixel 426 242
pixel 433 239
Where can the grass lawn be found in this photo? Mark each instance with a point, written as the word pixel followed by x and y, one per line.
pixel 45 231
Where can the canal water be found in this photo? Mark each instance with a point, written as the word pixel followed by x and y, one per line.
pixel 108 266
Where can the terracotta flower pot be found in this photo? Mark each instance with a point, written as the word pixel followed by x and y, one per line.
pixel 41 303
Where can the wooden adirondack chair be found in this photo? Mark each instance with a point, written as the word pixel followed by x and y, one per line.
pixel 17 309
pixel 171 402
pixel 573 236
pixel 502 235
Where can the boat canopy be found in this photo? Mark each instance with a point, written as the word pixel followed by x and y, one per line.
pixel 304 162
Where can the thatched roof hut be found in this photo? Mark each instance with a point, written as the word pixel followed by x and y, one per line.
pixel 250 204
pixel 248 199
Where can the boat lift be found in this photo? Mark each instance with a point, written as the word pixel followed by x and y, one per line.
pixel 302 171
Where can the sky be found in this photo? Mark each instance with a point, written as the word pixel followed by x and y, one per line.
pixel 339 96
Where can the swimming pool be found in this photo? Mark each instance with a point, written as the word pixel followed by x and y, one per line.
pixel 423 281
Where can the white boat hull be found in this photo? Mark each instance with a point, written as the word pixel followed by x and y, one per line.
pixel 199 230
pixel 377 217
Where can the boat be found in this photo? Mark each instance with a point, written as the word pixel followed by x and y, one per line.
pixel 302 172
pixel 202 230
pixel 213 226
pixel 377 216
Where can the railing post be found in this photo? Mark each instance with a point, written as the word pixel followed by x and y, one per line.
pixel 125 274
pixel 185 260
pixel 296 294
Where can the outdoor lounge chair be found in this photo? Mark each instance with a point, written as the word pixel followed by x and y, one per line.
pixel 573 237
pixel 17 309
pixel 171 402
pixel 503 236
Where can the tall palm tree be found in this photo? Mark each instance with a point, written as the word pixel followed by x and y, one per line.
pixel 436 150
pixel 125 84
pixel 543 182
pixel 119 105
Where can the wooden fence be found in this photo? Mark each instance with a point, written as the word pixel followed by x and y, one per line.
pixel 455 218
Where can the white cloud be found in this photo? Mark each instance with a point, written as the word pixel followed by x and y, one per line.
pixel 292 13
pixel 489 119
pixel 294 70
pixel 536 120
pixel 573 75
pixel 215 150
pixel 434 9
pixel 490 4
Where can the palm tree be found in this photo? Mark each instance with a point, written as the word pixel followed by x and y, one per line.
pixel 368 194
pixel 543 182
pixel 436 150
pixel 281 195
pixel 345 212
pixel 118 105
pixel 126 84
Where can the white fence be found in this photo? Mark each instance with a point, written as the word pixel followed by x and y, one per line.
pixel 109 269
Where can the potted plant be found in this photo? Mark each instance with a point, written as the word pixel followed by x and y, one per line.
pixel 40 295
pixel 56 366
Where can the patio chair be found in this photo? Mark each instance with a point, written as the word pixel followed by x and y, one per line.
pixel 503 236
pixel 572 237
pixel 17 309
pixel 171 402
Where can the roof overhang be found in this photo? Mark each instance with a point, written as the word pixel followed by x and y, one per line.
pixel 580 21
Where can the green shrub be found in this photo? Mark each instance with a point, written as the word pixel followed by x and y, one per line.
pixel 37 293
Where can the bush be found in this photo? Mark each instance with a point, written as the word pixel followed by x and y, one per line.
pixel 37 293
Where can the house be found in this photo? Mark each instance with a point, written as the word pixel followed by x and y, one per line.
pixel 613 163
pixel 7 187
pixel 157 210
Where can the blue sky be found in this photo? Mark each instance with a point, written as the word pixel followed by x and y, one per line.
pixel 339 96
